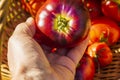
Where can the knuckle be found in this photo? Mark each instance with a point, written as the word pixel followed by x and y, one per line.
pixel 11 40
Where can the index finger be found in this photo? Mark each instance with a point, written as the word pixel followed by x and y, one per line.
pixel 76 53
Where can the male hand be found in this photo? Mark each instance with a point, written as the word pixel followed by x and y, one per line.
pixel 29 60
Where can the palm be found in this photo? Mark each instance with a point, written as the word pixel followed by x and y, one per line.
pixel 26 56
pixel 62 64
pixel 66 59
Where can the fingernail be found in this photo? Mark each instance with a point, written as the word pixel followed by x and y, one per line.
pixel 31 23
pixel 30 20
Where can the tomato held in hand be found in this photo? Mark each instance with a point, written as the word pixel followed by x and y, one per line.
pixel 63 23
pixel 32 6
pixel 104 30
pixel 86 69
pixel 101 52
pixel 111 8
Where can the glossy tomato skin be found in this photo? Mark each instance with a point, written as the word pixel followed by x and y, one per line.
pixel 104 29
pixel 32 6
pixel 111 8
pixel 86 69
pixel 94 8
pixel 101 52
pixel 63 23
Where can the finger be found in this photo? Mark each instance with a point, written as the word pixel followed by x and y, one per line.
pixel 31 24
pixel 26 28
pixel 76 53
pixel 23 51
pixel 62 51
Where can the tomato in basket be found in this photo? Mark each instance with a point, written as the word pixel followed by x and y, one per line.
pixel 94 8
pixel 101 53
pixel 32 6
pixel 104 29
pixel 85 69
pixel 63 23
pixel 111 8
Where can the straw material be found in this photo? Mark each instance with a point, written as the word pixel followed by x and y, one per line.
pixel 11 14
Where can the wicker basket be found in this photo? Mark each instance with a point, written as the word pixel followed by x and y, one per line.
pixel 11 14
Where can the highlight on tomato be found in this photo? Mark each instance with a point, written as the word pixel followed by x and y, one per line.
pixel 94 8
pixel 63 23
pixel 111 9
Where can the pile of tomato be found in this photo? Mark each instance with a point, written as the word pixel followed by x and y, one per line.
pixel 104 31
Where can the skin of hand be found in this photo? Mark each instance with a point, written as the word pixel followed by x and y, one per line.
pixel 27 60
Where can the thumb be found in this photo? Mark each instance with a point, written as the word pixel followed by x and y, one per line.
pixel 26 28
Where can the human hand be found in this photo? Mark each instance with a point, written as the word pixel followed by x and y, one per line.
pixel 29 60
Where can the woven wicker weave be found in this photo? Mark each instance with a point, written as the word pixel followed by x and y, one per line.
pixel 11 14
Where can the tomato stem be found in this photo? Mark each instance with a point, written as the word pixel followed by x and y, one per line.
pixel 104 38
pixel 62 24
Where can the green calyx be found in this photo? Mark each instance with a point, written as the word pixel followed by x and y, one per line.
pixel 103 38
pixel 116 1
pixel 61 24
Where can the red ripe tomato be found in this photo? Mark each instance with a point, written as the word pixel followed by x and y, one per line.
pixel 101 52
pixel 32 6
pixel 104 30
pixel 94 8
pixel 86 69
pixel 63 23
pixel 111 8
